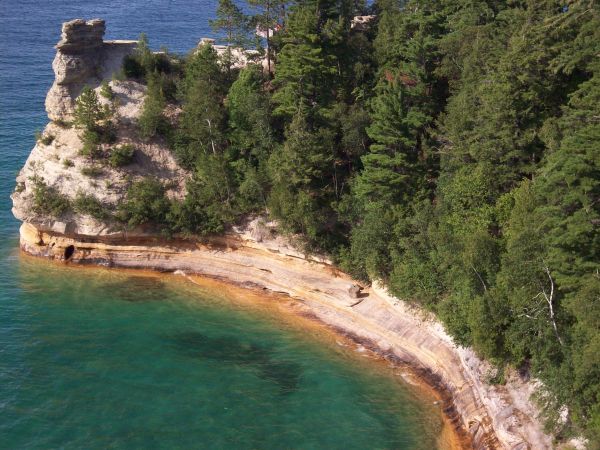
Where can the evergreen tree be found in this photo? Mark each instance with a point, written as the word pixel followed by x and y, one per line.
pixel 152 120
pixel 304 71
pixel 250 131
pixel 391 169
pixel 88 111
pixel 250 136
pixel 232 21
pixel 301 187
pixel 202 125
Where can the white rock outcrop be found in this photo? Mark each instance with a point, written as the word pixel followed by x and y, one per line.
pixel 82 58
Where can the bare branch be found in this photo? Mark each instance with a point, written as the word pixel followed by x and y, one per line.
pixel 550 301
pixel 480 279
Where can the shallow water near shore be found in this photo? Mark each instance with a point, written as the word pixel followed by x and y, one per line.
pixel 99 358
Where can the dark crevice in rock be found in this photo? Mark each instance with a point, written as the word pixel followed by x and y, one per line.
pixel 69 252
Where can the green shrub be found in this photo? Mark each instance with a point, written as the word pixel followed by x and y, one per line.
pixel 108 133
pixel 91 171
pixel 152 120
pixel 48 139
pixel 106 91
pixel 45 139
pixel 146 203
pixel 132 68
pixel 91 141
pixel 91 206
pixel 68 163
pixel 121 156
pixel 47 200
pixel 145 62
pixel 88 111
pixel 63 123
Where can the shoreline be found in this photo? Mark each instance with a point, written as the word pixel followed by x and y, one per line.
pixel 294 310
pixel 481 416
pixel 293 314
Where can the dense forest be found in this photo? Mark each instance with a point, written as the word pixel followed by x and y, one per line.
pixel 448 147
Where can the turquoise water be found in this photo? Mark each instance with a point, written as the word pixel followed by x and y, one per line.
pixel 94 359
pixel 98 359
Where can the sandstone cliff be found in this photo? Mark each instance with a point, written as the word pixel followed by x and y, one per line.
pixel 254 256
pixel 84 59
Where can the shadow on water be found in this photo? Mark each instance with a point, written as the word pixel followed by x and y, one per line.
pixel 138 289
pixel 230 350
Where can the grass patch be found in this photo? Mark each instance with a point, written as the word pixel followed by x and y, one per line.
pixel 91 171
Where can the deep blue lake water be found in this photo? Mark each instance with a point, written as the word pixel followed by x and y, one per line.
pixel 94 359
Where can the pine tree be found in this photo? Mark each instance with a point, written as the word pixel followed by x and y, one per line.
pixel 232 21
pixel 203 120
pixel 202 66
pixel 88 111
pixel 251 139
pixel 301 188
pixel 152 120
pixel 568 215
pixel 391 169
pixel 250 131
pixel 145 55
pixel 304 71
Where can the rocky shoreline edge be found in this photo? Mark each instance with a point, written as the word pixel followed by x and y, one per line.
pixel 483 415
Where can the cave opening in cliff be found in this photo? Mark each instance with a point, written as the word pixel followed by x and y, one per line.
pixel 69 252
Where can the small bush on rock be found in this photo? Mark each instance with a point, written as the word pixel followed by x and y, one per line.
pixel 152 120
pixel 146 203
pixel 47 200
pixel 91 147
pixel 91 206
pixel 63 123
pixel 106 91
pixel 88 111
pixel 45 139
pixel 91 171
pixel 121 156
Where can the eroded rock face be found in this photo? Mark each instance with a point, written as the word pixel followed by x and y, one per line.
pixel 82 58
pixel 79 35
pixel 61 166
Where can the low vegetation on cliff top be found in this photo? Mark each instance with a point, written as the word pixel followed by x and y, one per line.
pixel 450 149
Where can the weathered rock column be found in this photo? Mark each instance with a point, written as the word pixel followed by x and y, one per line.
pixel 82 58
